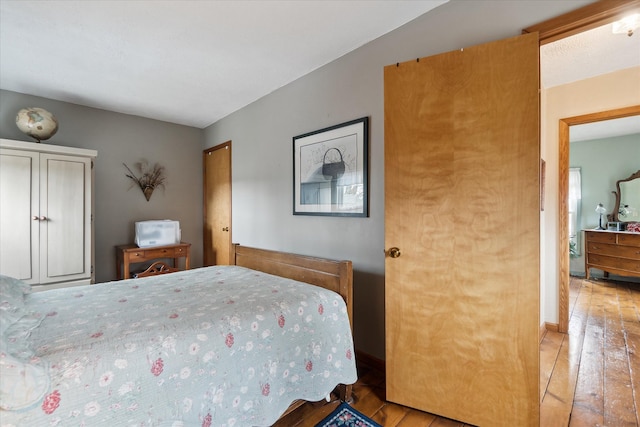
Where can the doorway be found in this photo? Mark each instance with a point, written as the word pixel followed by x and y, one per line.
pixel 564 142
pixel 580 20
pixel 217 204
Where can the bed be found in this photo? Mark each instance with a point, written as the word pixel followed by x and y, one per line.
pixel 232 345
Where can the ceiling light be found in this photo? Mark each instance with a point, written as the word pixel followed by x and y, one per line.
pixel 627 25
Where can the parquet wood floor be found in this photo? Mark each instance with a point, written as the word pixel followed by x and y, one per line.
pixel 588 377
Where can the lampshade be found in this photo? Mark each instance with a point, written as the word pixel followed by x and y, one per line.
pixel 601 210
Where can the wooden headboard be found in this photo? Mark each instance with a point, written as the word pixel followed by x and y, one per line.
pixel 329 274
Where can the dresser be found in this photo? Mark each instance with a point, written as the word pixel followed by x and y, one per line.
pixel 615 252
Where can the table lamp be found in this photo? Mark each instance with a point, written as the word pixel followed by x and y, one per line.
pixel 601 210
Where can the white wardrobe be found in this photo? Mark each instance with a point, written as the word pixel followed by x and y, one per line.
pixel 46 214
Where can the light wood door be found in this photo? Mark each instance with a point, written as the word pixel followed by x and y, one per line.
pixel 462 205
pixel 217 204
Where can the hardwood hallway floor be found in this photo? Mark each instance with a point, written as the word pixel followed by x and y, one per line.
pixel 589 377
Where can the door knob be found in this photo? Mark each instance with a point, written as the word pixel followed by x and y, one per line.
pixel 225 229
pixel 394 252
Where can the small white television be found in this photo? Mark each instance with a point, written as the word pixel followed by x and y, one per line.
pixel 157 233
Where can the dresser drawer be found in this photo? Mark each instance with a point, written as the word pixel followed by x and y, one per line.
pixel 618 251
pixel 603 237
pixel 629 240
pixel 616 263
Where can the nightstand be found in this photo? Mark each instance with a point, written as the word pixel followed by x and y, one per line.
pixel 131 254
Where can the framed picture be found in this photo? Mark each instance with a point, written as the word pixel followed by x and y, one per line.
pixel 330 170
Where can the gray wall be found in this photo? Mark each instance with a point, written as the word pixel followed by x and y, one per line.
pixel 346 89
pixel 599 178
pixel 122 138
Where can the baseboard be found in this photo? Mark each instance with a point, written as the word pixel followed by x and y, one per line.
pixel 553 327
pixel 546 326
pixel 370 361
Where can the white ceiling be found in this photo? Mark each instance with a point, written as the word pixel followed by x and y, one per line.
pixel 194 62
pixel 186 62
pixel 589 54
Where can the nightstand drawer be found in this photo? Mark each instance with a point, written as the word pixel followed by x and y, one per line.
pixel 159 253
pixel 180 251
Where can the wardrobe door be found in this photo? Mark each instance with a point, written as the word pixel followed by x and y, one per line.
pixel 462 204
pixel 65 210
pixel 19 214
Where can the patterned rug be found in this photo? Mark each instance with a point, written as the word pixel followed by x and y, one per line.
pixel 345 416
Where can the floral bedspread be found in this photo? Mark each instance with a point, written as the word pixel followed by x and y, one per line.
pixel 216 346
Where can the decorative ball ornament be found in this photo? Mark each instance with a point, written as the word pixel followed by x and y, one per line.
pixel 36 122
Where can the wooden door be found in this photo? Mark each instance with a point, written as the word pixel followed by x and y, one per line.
pixel 462 205
pixel 217 205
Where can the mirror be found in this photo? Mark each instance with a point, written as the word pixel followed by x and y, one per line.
pixel 627 194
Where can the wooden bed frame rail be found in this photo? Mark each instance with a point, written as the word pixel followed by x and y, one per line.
pixel 333 275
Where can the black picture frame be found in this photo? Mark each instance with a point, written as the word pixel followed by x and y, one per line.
pixel 331 170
